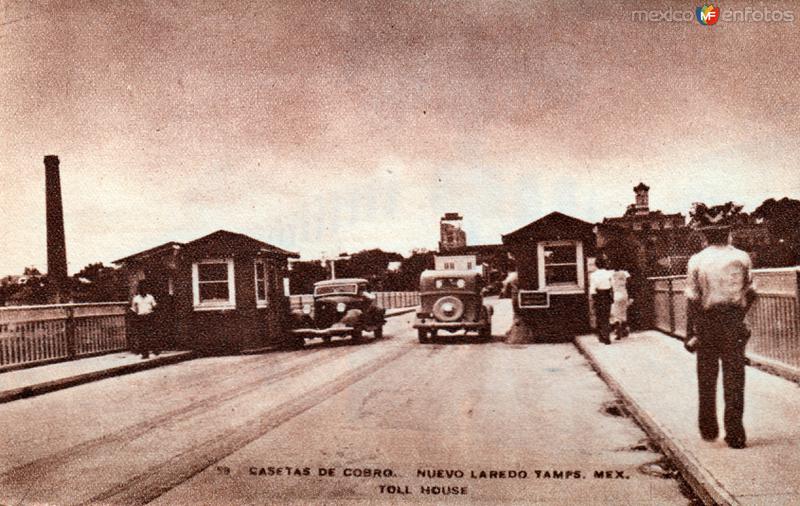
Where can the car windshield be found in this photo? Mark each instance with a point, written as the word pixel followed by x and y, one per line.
pixel 449 283
pixel 348 288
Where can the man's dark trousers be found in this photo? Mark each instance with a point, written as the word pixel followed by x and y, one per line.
pixel 145 333
pixel 722 337
pixel 602 311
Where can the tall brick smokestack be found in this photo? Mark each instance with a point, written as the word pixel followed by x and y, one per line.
pixel 56 243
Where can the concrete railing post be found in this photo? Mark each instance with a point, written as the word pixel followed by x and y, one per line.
pixel 69 332
pixel 797 305
pixel 649 303
pixel 671 297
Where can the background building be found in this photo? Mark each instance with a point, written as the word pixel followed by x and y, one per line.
pixel 638 215
pixel 453 262
pixel 489 260
pixel 451 236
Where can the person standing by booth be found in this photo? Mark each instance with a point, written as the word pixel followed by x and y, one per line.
pixel 143 306
pixel 719 293
pixel 600 291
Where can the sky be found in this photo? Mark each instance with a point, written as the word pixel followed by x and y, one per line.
pixel 335 126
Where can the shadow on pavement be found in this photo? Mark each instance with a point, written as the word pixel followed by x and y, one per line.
pixel 320 343
pixel 459 339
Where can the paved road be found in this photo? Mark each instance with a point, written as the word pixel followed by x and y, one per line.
pixel 387 421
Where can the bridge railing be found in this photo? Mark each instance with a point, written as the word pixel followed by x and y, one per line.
pixel 38 334
pixel 393 300
pixel 774 318
pixel 386 300
pixel 31 335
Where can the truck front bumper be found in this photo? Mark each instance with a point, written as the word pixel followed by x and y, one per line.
pixel 433 324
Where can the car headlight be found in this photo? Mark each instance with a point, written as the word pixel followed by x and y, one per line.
pixel 306 308
pixel 460 283
pixel 341 307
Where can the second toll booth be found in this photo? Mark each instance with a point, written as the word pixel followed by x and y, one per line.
pixel 552 254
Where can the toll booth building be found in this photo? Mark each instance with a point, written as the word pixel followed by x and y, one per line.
pixel 552 255
pixel 220 293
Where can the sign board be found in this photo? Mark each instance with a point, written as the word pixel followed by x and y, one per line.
pixel 533 299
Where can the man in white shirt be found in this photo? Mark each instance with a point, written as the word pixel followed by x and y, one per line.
pixel 143 305
pixel 600 290
pixel 719 293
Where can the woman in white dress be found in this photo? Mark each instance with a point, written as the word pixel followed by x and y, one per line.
pixel 620 303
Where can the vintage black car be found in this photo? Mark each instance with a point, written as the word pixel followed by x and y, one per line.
pixel 341 307
pixel 452 301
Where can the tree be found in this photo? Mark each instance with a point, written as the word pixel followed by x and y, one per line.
pixel 93 272
pixel 35 291
pixel 412 267
pixel 98 283
pixel 782 219
pixel 369 264
pixel 303 275
pixel 27 291
pixel 723 214
pixel 31 271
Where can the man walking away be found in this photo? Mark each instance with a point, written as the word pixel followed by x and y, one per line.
pixel 719 293
pixel 600 290
pixel 143 305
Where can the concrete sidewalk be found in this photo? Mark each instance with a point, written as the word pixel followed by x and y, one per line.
pixel 656 378
pixel 23 383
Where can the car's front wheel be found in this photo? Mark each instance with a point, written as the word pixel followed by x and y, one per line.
pixel 422 334
pixel 378 332
pixel 357 335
